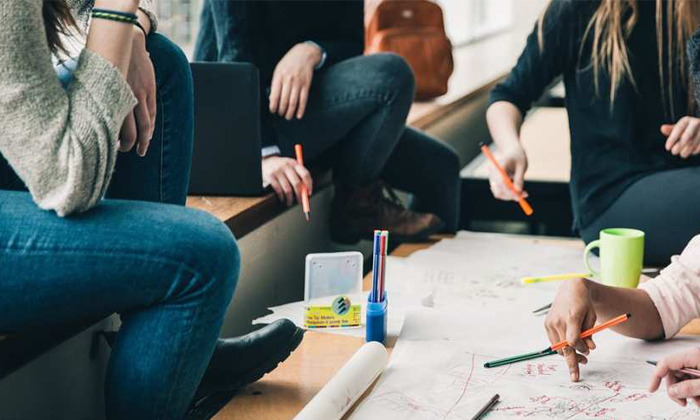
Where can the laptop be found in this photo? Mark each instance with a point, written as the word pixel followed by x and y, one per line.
pixel 227 153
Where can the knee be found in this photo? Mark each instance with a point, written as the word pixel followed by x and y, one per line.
pixel 170 62
pixel 393 71
pixel 208 248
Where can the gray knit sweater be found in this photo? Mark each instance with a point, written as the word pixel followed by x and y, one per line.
pixel 61 143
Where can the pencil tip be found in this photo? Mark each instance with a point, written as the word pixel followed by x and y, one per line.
pixel 487 365
pixel 629 315
pixel 651 362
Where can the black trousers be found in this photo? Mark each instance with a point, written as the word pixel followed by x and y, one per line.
pixel 665 205
pixel 356 118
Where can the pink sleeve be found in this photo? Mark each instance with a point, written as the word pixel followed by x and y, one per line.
pixel 676 291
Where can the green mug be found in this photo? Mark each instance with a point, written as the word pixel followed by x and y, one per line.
pixel 621 257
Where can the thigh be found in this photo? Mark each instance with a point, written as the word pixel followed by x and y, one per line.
pixel 119 257
pixel 163 174
pixel 341 98
pixel 665 205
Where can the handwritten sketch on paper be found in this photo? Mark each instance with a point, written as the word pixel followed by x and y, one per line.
pixel 437 373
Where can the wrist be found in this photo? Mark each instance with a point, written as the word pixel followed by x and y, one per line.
pixel 315 53
pixel 125 6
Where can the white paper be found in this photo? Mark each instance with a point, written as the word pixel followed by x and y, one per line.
pixel 476 270
pixel 353 379
pixel 436 372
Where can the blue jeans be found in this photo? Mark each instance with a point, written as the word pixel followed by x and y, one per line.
pixel 169 271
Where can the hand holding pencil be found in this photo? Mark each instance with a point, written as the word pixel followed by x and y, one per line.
pixel 682 374
pixel 513 165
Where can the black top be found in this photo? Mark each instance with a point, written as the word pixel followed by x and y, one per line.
pixel 263 31
pixel 611 147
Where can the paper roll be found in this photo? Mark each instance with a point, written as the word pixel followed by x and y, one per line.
pixel 341 392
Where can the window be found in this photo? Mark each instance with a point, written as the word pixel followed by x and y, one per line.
pixel 466 20
pixel 470 20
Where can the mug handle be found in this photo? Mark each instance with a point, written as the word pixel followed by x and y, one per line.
pixel 587 253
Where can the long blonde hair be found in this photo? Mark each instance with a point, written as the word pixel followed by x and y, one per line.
pixel 613 22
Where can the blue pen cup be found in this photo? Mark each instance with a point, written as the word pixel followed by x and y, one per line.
pixel 376 320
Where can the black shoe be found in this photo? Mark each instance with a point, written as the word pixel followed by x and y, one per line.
pixel 240 361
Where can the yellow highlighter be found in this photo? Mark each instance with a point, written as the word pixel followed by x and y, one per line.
pixel 556 277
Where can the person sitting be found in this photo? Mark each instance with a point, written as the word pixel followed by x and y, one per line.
pixel 635 135
pixel 68 256
pixel 347 110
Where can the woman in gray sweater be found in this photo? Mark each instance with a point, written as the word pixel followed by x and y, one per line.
pixel 170 272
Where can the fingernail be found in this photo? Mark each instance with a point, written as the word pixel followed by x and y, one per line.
pixel 574 377
pixel 672 391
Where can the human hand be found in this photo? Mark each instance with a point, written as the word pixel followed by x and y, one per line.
pixel 286 177
pixel 514 162
pixel 683 137
pixel 679 386
pixel 140 123
pixel 291 81
pixel 571 313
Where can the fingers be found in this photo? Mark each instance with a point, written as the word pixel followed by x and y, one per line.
pixel 287 190
pixel 688 140
pixel 519 176
pixel 674 392
pixel 277 188
pixel 675 135
pixel 128 133
pixel 284 98
pixel 305 178
pixel 275 92
pixel 293 100
pixel 666 129
pixel 295 182
pixel 145 129
pixel 303 99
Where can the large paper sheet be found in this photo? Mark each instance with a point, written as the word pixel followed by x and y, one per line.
pixel 475 270
pixel 436 372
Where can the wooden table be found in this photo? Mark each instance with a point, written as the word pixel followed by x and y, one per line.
pixel 283 393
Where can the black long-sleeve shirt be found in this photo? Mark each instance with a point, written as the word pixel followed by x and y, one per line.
pixel 611 147
pixel 263 31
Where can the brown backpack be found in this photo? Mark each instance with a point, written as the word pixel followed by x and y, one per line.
pixel 415 30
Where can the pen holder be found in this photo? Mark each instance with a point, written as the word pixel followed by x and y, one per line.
pixel 376 320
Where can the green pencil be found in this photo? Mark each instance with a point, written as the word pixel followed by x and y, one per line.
pixel 520 358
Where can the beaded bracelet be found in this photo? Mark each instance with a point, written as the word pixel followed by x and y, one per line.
pixel 115 16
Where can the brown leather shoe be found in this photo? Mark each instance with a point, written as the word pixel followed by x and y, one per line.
pixel 357 213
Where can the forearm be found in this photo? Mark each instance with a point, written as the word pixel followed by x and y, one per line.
pixel 113 40
pixel 504 121
pixel 610 302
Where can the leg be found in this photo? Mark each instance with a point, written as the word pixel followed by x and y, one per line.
pixel 359 108
pixel 429 170
pixel 356 113
pixel 665 205
pixel 163 174
pixel 169 271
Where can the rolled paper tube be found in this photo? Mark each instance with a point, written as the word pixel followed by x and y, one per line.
pixel 343 390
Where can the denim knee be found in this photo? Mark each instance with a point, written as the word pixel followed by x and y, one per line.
pixel 216 252
pixel 392 71
pixel 171 64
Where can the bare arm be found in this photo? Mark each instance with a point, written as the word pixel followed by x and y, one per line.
pixel 504 121
pixel 113 40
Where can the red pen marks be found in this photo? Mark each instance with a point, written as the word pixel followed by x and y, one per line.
pixel 540 369
pixel 464 391
pixel 614 386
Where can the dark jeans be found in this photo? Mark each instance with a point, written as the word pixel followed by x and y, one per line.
pixel 170 272
pixel 665 205
pixel 356 116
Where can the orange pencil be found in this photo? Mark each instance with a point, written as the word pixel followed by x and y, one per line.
pixel 304 191
pixel 613 322
pixel 523 203
pixel 556 347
